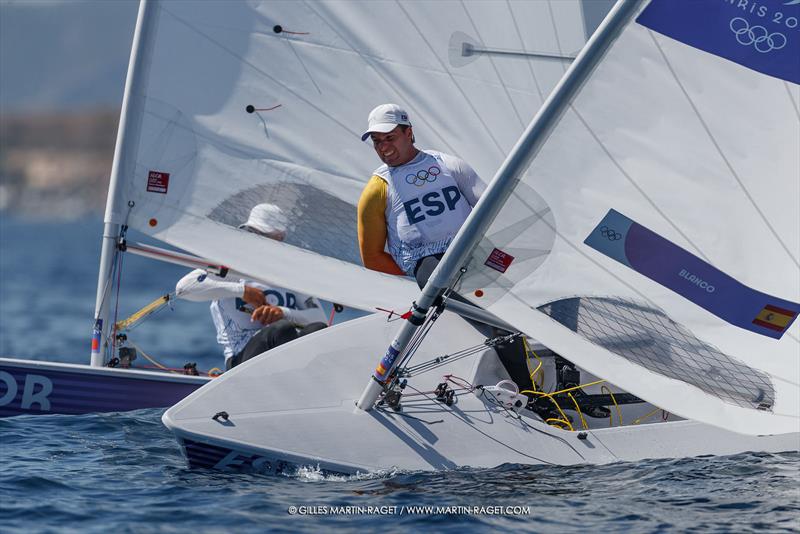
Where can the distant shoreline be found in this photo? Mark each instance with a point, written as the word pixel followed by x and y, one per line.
pixel 56 165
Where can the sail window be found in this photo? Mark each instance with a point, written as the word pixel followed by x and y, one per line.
pixel 645 335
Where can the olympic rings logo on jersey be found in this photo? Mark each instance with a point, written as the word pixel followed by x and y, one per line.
pixel 610 234
pixel 422 177
pixel 758 36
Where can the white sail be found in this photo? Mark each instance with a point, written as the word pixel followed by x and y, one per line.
pixel 197 160
pixel 655 239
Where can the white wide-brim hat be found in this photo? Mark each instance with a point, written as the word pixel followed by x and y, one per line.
pixel 267 219
pixel 385 118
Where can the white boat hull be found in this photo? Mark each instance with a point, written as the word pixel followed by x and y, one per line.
pixel 296 406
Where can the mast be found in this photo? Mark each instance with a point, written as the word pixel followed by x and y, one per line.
pixel 500 189
pixel 114 215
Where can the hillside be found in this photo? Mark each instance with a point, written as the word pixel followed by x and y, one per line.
pixel 56 165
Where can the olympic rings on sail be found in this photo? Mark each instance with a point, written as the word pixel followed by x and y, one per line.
pixel 758 36
pixel 422 177
pixel 610 234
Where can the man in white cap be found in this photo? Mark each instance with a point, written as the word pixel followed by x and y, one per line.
pixel 414 204
pixel 251 317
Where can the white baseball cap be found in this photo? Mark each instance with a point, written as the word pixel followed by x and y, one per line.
pixel 385 118
pixel 266 219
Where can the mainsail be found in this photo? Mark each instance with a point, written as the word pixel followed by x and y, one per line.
pixel 240 103
pixel 655 238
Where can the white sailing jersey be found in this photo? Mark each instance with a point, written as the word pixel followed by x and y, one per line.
pixel 428 200
pixel 231 314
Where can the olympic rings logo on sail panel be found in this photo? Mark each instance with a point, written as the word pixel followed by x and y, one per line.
pixel 422 177
pixel 610 234
pixel 758 36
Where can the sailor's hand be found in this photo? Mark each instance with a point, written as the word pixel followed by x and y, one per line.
pixel 267 314
pixel 254 297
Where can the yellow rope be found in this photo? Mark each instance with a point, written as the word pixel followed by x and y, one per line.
pixel 550 396
pixel 562 421
pixel 603 389
pixel 642 418
pixel 538 369
pixel 578 387
pixel 578 409
pixel 144 312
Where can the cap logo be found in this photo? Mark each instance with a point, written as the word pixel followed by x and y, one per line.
pixel 384 118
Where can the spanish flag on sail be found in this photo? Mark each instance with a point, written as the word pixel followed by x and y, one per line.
pixel 774 318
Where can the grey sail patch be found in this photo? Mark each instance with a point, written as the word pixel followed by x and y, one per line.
pixel 645 335
pixel 317 220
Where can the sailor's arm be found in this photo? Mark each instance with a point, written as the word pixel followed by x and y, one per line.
pixel 309 310
pixel 200 286
pixel 372 230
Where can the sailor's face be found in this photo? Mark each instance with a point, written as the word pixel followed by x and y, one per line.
pixel 396 147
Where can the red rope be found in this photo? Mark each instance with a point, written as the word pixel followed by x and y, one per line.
pixel 392 313
pixel 457 380
pixel 160 368
pixel 177 370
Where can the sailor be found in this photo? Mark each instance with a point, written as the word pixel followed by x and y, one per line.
pixel 251 317
pixel 414 204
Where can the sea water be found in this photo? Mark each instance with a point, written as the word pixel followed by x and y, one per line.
pixel 124 472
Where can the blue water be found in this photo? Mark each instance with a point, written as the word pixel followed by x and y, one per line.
pixel 124 472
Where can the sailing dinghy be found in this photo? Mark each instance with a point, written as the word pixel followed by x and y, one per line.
pixel 228 105
pixel 645 228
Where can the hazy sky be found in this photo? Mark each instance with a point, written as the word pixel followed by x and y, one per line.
pixel 73 54
pixel 64 54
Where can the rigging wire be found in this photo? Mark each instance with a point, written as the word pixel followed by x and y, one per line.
pixel 115 260
pixel 433 314
pixel 416 340
pixel 536 375
pixel 119 258
pixel 506 445
pixel 441 360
